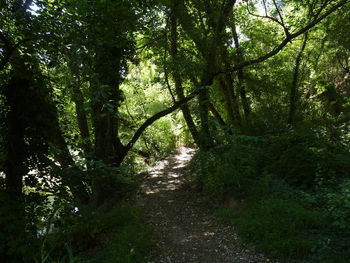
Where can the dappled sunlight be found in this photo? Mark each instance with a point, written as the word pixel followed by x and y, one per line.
pixel 167 175
pixel 174 175
pixel 184 154
pixel 185 228
pixel 191 237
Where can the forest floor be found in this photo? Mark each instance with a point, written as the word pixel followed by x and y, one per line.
pixel 185 229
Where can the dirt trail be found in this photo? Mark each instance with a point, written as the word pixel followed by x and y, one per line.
pixel 186 231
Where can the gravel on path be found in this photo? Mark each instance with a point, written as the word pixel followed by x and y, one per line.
pixel 185 228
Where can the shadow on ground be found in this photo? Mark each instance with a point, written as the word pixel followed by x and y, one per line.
pixel 185 230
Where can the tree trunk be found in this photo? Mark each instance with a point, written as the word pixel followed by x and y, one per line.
pixel 293 96
pixel 108 148
pixel 78 99
pixel 107 97
pixel 16 153
pixel 241 78
pixel 217 115
pixel 206 140
pixel 230 98
pixel 208 48
pixel 15 166
pixel 177 77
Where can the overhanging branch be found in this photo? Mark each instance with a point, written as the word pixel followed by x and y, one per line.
pixel 157 116
pixel 278 48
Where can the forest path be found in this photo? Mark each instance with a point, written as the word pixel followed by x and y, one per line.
pixel 185 229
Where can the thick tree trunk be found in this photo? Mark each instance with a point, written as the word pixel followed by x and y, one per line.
pixel 107 96
pixel 105 84
pixel 177 77
pixel 206 140
pixel 16 153
pixel 13 222
pixel 293 96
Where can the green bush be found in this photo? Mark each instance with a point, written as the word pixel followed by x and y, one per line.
pixel 283 228
pixel 104 235
pixel 306 158
pixel 336 204
pixel 124 237
pixel 295 198
pixel 228 169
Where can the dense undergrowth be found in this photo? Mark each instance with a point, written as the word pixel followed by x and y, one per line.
pixel 60 230
pixel 289 194
pixel 109 234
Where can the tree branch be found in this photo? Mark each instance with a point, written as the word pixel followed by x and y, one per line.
pixel 278 11
pixel 216 114
pixel 281 23
pixel 157 116
pixel 189 27
pixel 278 48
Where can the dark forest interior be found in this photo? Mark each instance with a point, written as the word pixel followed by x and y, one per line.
pixel 96 95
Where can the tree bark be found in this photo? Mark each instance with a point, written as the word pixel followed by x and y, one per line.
pixel 241 78
pixel 293 96
pixel 176 75
pixel 230 97
pixel 208 48
pixel 105 87
pixel 15 165
pixel 78 99
pixel 231 101
pixel 217 115
pixel 206 140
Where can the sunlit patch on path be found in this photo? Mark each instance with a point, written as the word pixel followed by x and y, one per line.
pixel 184 228
pixel 167 175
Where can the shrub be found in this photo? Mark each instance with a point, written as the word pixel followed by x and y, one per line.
pixel 104 235
pixel 228 169
pixel 283 228
pixel 337 233
pixel 305 158
pixel 124 237
pixel 288 182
